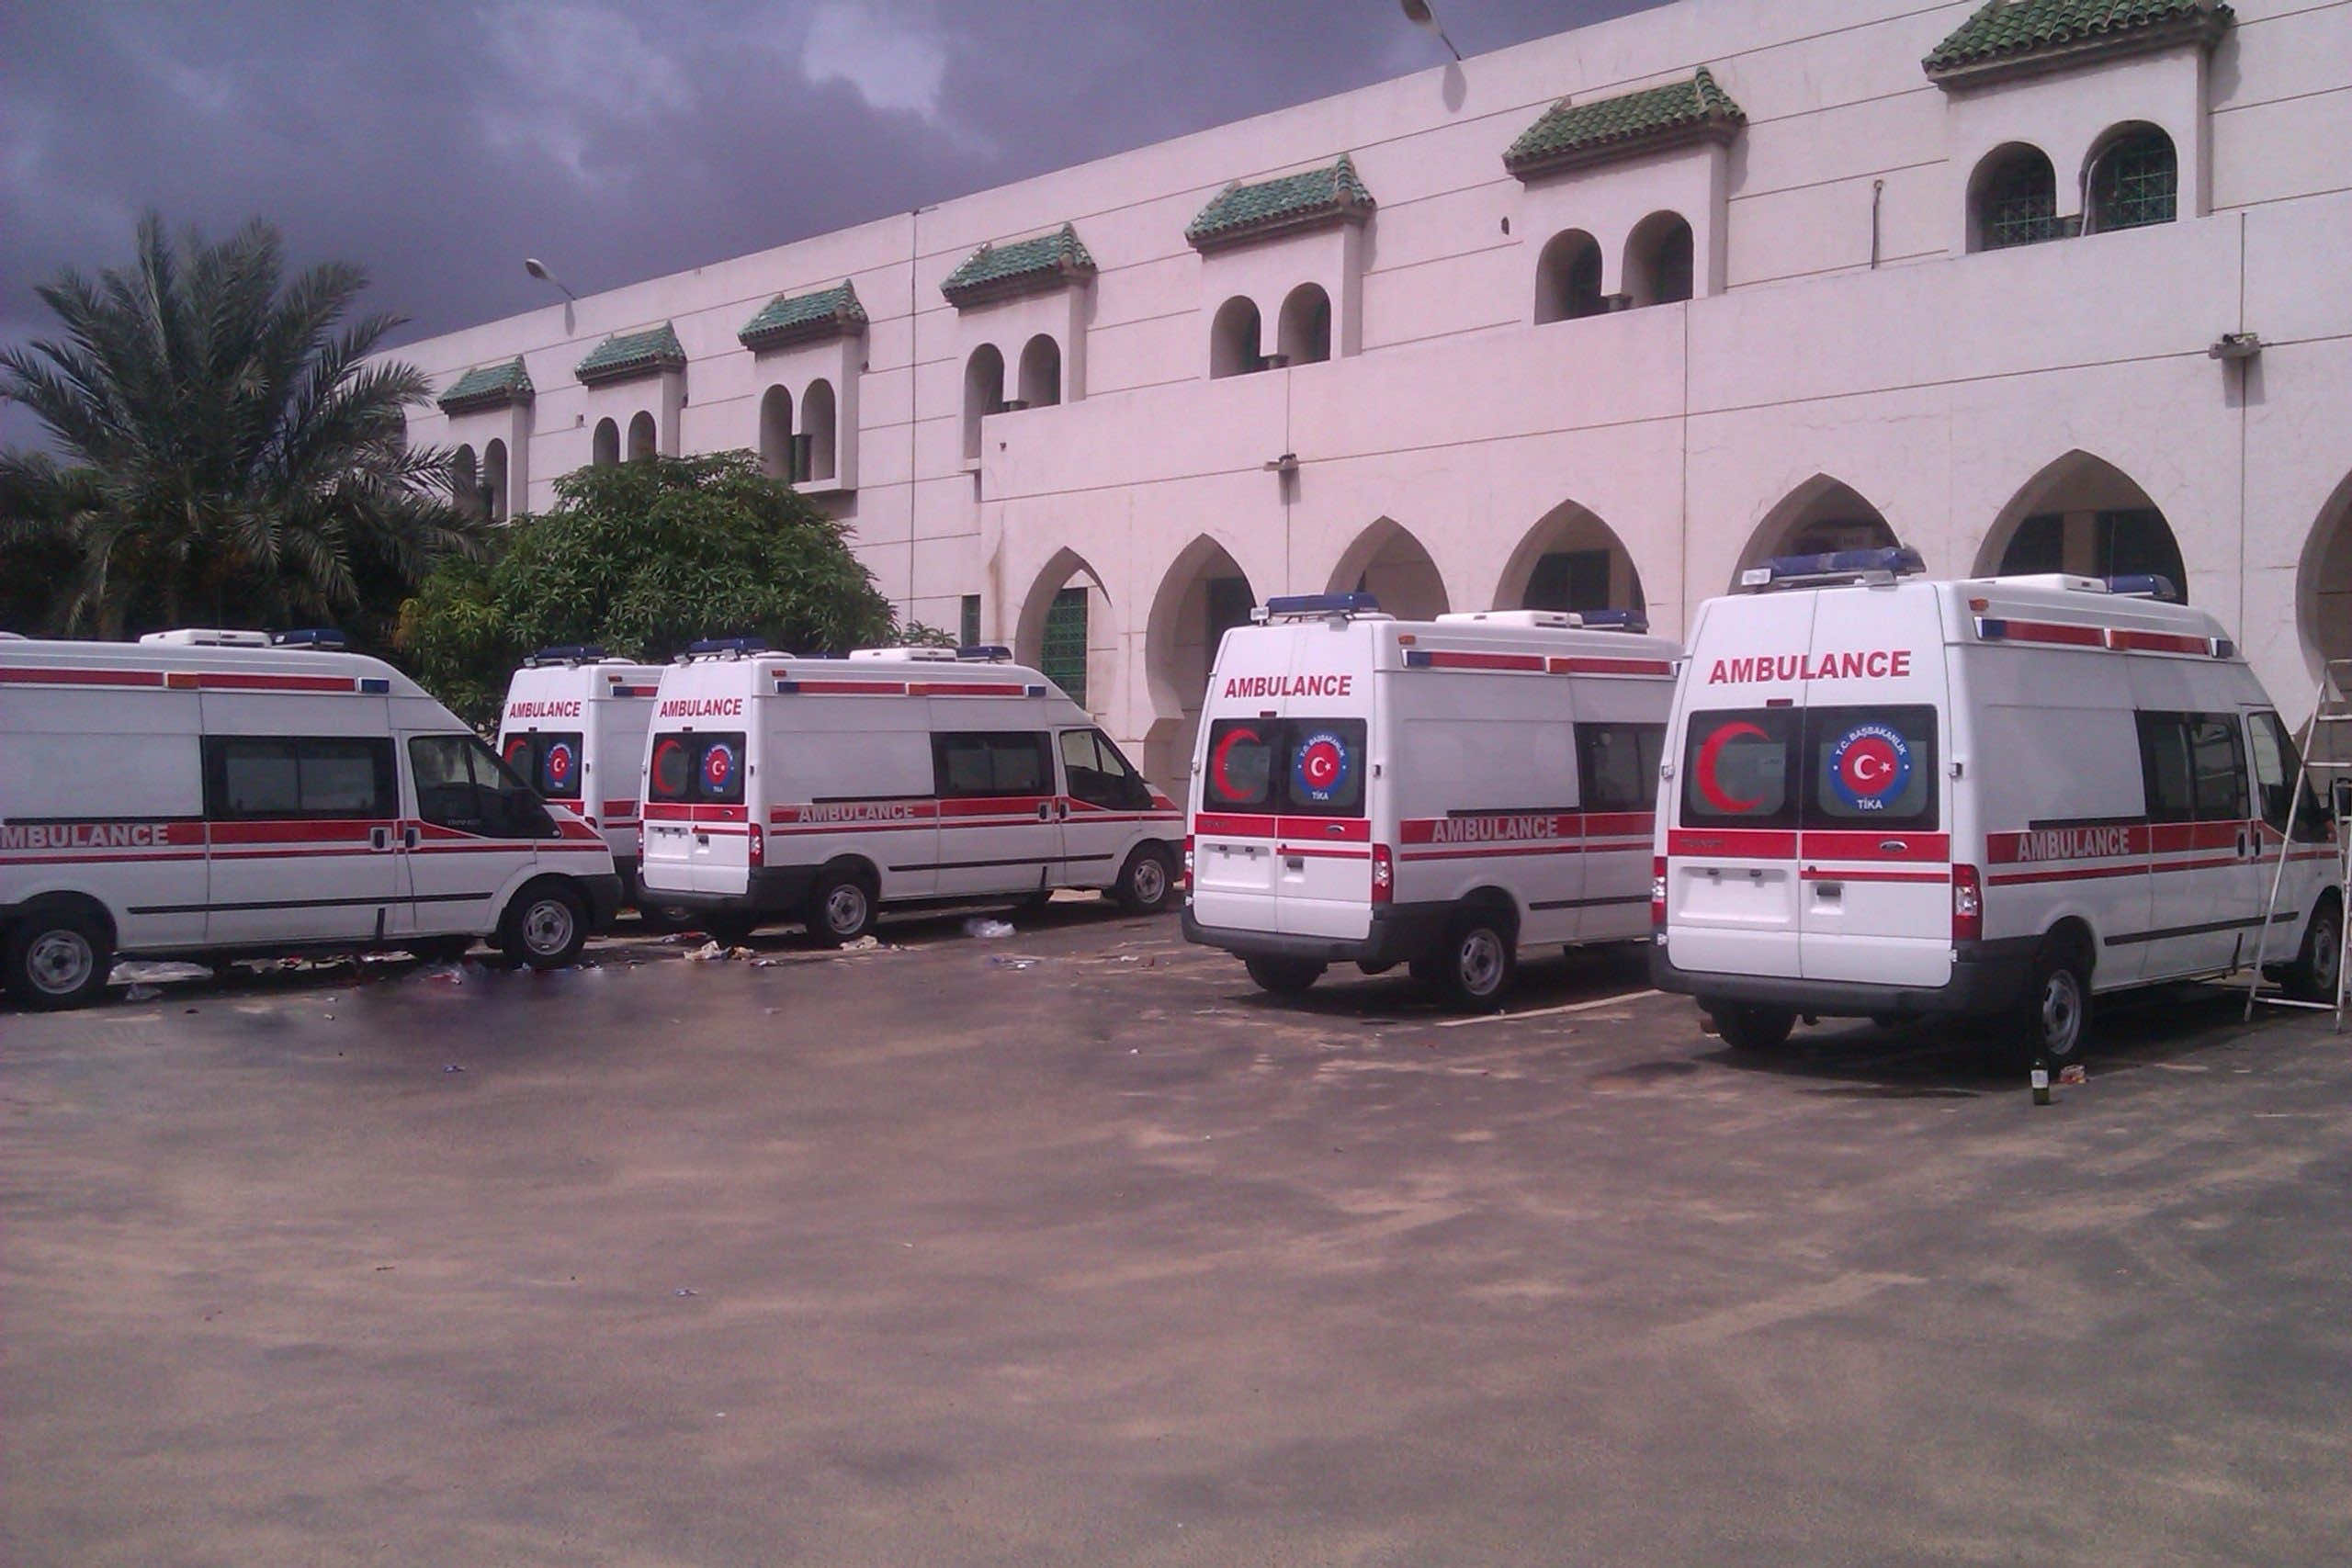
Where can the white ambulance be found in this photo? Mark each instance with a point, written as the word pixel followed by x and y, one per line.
pixel 573 729
pixel 1886 796
pixel 1443 794
pixel 819 790
pixel 207 793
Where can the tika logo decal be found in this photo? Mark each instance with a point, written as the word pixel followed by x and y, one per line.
pixel 543 710
pixel 702 707
pixel 1878 664
pixel 85 835
pixel 1289 685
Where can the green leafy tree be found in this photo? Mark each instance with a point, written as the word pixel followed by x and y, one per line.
pixel 641 559
pixel 231 455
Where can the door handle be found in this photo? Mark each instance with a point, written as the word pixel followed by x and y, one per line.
pixel 1046 812
pixel 379 838
pixel 1293 862
pixel 1334 830
pixel 409 837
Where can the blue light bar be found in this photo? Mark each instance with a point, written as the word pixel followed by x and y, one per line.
pixel 569 653
pixel 373 686
pixel 1614 620
pixel 991 652
pixel 326 638
pixel 710 645
pixel 1322 605
pixel 1897 561
pixel 2145 585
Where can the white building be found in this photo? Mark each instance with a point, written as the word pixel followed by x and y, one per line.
pixel 1593 319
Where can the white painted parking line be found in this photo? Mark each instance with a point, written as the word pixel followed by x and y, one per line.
pixel 1547 1012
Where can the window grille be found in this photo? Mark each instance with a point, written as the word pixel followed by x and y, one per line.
pixel 1064 658
pixel 2019 203
pixel 2135 182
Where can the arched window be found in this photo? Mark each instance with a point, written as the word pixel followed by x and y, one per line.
pixel 775 434
pixel 2134 180
pixel 493 480
pixel 605 450
pixel 1234 339
pixel 2014 200
pixel 1041 372
pixel 1567 278
pixel 1303 331
pixel 983 393
pixel 465 485
pixel 1657 260
pixel 642 438
pixel 818 425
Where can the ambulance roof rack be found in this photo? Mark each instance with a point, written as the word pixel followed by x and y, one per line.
pixel 328 639
pixel 920 655
pixel 566 653
pixel 984 653
pixel 1590 620
pixel 1310 606
pixel 209 637
pixel 730 647
pixel 1880 565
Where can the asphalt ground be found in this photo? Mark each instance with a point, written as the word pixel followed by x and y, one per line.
pixel 1070 1248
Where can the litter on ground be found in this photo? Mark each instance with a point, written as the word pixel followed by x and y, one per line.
pixel 981 926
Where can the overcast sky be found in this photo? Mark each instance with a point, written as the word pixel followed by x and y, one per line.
pixel 437 144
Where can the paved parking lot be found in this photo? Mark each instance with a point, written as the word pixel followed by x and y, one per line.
pixel 1068 1248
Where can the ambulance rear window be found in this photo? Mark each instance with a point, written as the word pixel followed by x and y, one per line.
pixel 1312 766
pixel 548 760
pixel 1239 771
pixel 697 767
pixel 1736 768
pixel 1871 765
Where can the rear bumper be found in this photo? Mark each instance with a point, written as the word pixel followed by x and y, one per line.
pixel 604 891
pixel 1986 977
pixel 768 890
pixel 1400 933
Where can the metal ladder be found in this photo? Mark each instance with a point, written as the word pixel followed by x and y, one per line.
pixel 2325 780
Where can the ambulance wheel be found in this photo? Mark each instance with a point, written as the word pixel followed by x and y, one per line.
pixel 2312 977
pixel 1284 976
pixel 841 907
pixel 1146 882
pixel 2056 1007
pixel 58 953
pixel 1478 962
pixel 1745 1028
pixel 545 927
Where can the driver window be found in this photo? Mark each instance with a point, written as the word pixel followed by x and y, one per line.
pixel 2277 772
pixel 462 784
pixel 1096 773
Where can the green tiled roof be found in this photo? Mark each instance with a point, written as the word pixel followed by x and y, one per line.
pixel 625 354
pixel 2007 34
pixel 1571 135
pixel 999 272
pixel 1334 194
pixel 800 317
pixel 489 387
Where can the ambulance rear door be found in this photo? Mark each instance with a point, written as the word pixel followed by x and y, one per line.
pixel 1874 877
pixel 697 760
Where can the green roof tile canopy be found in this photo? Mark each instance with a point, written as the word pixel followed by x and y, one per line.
pixel 804 318
pixel 1025 267
pixel 1239 213
pixel 1571 135
pixel 489 387
pixel 2008 38
pixel 625 354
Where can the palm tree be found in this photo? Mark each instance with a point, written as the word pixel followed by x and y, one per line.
pixel 233 456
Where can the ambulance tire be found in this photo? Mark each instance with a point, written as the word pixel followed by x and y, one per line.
pixel 2054 1015
pixel 546 925
pixel 1748 1028
pixel 1478 962
pixel 841 907
pixel 1146 883
pixel 58 955
pixel 2312 977
pixel 1284 976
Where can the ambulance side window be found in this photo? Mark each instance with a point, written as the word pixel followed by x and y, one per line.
pixel 257 778
pixel 992 762
pixel 1239 771
pixel 2278 777
pixel 1618 763
pixel 2194 764
pixel 550 759
pixel 1737 766
pixel 1871 766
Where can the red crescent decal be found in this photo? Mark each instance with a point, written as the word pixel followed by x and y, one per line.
pixel 1221 763
pixel 1709 752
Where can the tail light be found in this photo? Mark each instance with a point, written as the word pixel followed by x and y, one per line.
pixel 1658 893
pixel 1188 863
pixel 759 845
pixel 1383 876
pixel 640 840
pixel 1967 905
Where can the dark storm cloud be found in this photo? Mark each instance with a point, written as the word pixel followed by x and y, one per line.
pixel 439 144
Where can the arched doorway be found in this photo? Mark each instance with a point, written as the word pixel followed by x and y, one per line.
pixel 465 482
pixel 1660 262
pixel 605 447
pixel 2082 515
pixel 1041 372
pixel 1065 630
pixel 1204 595
pixel 1570 560
pixel 775 434
pixel 1234 348
pixel 493 480
pixel 1388 563
pixel 642 438
pixel 2323 601
pixel 1823 514
pixel 817 423
pixel 1303 331
pixel 983 394
pixel 1567 278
